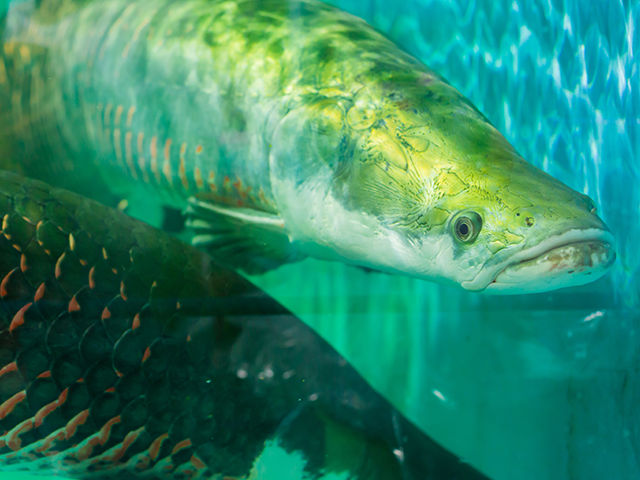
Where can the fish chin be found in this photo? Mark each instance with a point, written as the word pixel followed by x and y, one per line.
pixel 574 258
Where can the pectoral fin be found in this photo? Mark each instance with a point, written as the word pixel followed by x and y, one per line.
pixel 253 240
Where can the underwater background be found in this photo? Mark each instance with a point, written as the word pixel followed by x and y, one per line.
pixel 523 387
pixel 528 387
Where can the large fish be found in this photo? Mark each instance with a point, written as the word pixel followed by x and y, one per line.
pixel 294 129
pixel 125 353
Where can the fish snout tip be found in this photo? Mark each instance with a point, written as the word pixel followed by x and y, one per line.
pixel 567 265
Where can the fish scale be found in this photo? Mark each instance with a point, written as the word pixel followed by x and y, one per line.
pixel 127 354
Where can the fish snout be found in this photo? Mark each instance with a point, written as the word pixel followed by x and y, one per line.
pixel 567 265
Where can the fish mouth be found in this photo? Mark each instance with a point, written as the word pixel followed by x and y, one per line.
pixel 574 258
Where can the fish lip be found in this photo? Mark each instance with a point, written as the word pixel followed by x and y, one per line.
pixel 488 275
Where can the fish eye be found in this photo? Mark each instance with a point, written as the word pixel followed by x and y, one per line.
pixel 467 226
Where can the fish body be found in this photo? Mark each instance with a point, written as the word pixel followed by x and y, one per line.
pixel 125 353
pixel 293 129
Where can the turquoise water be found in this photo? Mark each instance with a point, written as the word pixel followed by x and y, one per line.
pixel 525 387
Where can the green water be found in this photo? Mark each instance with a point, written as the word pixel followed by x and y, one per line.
pixel 527 387
pixel 21 476
pixel 274 464
pixel 536 384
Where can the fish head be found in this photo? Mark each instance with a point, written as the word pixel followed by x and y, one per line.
pixel 454 202
pixel 528 234
pixel 408 177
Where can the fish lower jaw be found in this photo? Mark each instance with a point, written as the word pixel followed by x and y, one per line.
pixel 566 261
pixel 566 266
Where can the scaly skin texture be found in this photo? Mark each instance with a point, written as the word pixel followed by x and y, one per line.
pixel 292 108
pixel 125 353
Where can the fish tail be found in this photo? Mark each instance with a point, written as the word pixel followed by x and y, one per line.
pixel 34 21
pixel 4 10
pixel 31 139
pixel 21 59
pixel 15 16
